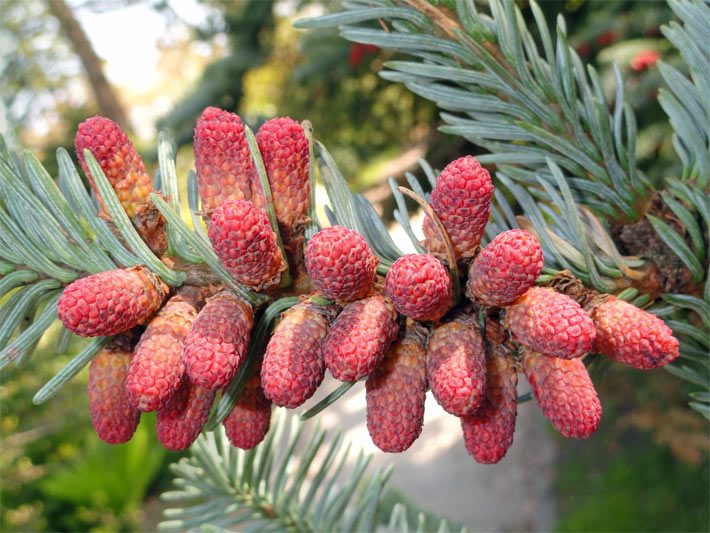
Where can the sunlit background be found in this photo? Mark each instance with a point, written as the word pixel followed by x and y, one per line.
pixel 159 63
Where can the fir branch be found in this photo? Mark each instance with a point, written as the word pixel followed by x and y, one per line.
pixel 337 188
pixel 193 199
pixel 15 279
pixel 201 244
pixel 488 70
pixel 313 226
pixel 329 400
pixel 31 233
pixel 23 300
pixel 19 348
pixel 676 243
pixel 94 259
pixel 374 231
pixel 77 196
pixel 354 211
pixel 444 236
pixel 402 216
pixel 562 149
pixel 687 101
pixel 273 488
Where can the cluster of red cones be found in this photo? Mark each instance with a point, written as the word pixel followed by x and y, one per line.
pixel 405 334
pixel 175 352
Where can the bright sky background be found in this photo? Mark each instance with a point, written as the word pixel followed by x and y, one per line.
pixel 127 39
pixel 131 41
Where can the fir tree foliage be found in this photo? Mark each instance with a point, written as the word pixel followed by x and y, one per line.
pixel 273 488
pixel 564 151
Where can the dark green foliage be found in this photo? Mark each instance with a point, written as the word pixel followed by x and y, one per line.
pixel 114 478
pixel 637 490
pixel 56 474
pixel 655 473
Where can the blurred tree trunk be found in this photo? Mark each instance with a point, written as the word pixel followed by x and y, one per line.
pixel 106 97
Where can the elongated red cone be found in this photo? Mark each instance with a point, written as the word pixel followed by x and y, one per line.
pixel 111 302
pixel 182 418
pixel 225 169
pixel 551 323
pixel 293 365
pixel 565 393
pixel 488 431
pixel 456 366
pixel 245 243
pixel 360 337
pixel 249 421
pixel 114 418
pixel 633 336
pixel 396 391
pixel 462 200
pixel 284 148
pixel 157 370
pixel 118 158
pixel 217 342
pixel 505 269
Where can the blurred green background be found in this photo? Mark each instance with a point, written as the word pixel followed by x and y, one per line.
pixel 163 61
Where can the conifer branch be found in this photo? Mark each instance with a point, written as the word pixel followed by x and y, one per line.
pixel 687 101
pixel 563 152
pixel 272 488
pixel 488 70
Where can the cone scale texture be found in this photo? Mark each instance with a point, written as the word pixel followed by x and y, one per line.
pixel 565 393
pixel 360 337
pixel 181 419
pixel 488 431
pixel 248 422
pixel 293 365
pixel 284 149
pixel 505 269
pixel 396 392
pixel 551 323
pixel 218 340
pixel 420 287
pixel 112 415
pixel 633 336
pixel 118 158
pixel 111 302
pixel 245 243
pixel 157 370
pixel 225 170
pixel 462 200
pixel 456 366
pixel 341 264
